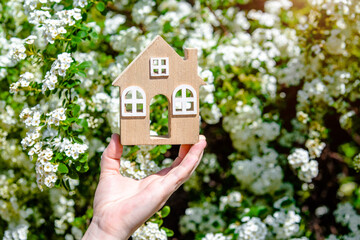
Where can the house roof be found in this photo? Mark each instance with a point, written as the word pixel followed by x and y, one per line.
pixel 158 40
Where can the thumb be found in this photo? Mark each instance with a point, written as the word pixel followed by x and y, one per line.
pixel 110 159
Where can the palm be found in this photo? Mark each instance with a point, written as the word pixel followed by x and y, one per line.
pixel 114 197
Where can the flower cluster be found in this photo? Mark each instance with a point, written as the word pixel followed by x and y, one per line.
pixel 284 225
pixel 252 229
pixel 58 67
pixel 216 236
pixel 300 161
pixel 46 171
pixel 24 81
pixel 52 27
pixel 70 149
pixel 17 233
pixel 149 231
pixel 347 216
pixel 17 52
pixel 202 219
pixel 260 175
pixel 31 116
pixel 281 86
pixel 54 117
pixel 233 200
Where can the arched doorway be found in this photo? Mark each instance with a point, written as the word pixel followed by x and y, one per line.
pixel 159 116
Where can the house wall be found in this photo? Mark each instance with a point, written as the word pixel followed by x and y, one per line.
pixel 181 130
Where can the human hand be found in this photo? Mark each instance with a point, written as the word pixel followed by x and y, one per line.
pixel 121 204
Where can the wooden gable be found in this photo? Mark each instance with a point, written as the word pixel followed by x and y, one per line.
pixel 180 70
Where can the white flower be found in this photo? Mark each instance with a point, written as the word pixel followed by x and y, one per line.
pixel 315 147
pixel 302 117
pixel 275 6
pixel 253 229
pixel 112 24
pixel 80 3
pixel 49 182
pixel 48 167
pixel 306 168
pixel 16 233
pixel 141 10
pixel 308 171
pixel 284 225
pixel 215 236
pixel 233 199
pixel 149 231
pixel 17 51
pixel 55 116
pixel 211 115
pixel 298 158
pixel 30 39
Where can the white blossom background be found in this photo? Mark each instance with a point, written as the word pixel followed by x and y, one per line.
pixel 280 110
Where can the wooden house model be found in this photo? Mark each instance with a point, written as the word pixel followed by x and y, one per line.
pixel 160 70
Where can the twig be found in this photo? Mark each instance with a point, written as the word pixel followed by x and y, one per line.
pixel 222 26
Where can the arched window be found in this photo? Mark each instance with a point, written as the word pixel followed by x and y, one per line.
pixel 184 100
pixel 133 102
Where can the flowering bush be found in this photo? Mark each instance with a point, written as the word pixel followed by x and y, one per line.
pixel 280 111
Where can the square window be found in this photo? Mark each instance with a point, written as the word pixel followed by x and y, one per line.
pixel 159 67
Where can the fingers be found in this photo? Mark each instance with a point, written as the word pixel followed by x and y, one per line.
pixel 184 149
pixel 110 159
pixel 184 167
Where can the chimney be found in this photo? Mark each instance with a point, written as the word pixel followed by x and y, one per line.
pixel 190 53
pixel 191 59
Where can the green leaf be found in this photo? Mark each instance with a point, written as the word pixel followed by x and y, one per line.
pixel 63 168
pixel 84 65
pixel 100 6
pixel 81 74
pixel 349 150
pixel 76 110
pixel 84 158
pixel 85 28
pixel 169 232
pixel 165 211
pixel 78 222
pixel 85 168
pixel 82 34
pixel 67 184
pixel 73 175
pixel 94 35
pixel 167 27
pixel 78 140
pixel 57 183
pixel 163 149
pixel 287 203
pixel 75 40
pixel 83 123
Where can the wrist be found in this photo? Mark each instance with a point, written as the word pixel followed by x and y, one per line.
pixel 96 230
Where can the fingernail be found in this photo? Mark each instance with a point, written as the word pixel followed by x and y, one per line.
pixel 202 137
